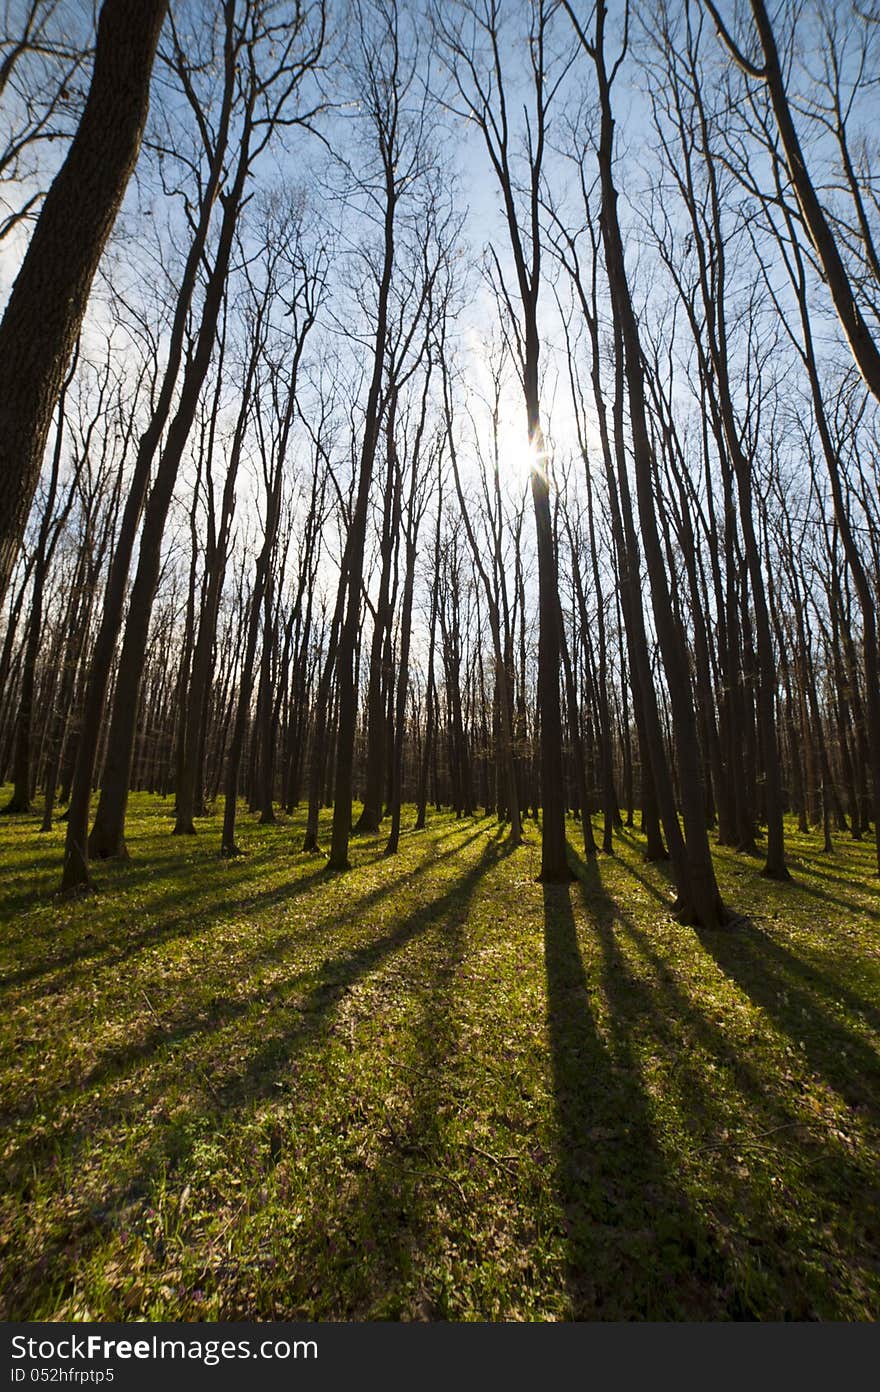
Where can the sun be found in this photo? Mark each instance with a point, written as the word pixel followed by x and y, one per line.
pixel 518 458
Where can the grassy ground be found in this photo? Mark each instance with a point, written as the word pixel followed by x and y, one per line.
pixel 430 1089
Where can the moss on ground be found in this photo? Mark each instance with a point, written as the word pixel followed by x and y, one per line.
pixel 431 1089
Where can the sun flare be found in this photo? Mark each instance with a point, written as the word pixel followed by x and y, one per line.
pixel 517 457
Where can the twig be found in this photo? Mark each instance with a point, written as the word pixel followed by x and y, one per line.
pixel 499 1160
pixel 224 1229
pixel 189 1062
pixel 749 1140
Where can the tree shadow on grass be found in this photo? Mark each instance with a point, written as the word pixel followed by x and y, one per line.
pixel 198 908
pixel 787 1254
pixel 636 1250
pixel 796 995
pixel 850 905
pixel 820 974
pixel 230 1066
pixel 335 978
pixel 774 1244
pixel 111 951
pixel 662 868
pixel 372 1255
pixel 824 867
pixel 151 854
pixel 416 1179
pixel 638 841
pixel 171 1029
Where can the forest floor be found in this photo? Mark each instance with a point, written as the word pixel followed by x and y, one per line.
pixel 431 1089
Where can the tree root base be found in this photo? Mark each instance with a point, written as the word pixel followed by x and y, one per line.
pixel 556 877
pixel 101 851
pixel 77 891
pixel 780 873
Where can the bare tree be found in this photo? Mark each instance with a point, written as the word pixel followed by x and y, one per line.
pixel 699 899
pixel 472 38
pixel 768 69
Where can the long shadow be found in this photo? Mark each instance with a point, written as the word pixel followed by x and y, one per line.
pixel 850 905
pixel 637 840
pixel 338 974
pixel 800 886
pixel 378 1255
pixel 187 925
pixel 665 1017
pixel 812 973
pixel 146 858
pixel 418 1159
pixel 112 952
pixel 267 897
pixel 756 950
pixel 767 975
pixel 172 1032
pixel 766 1104
pixel 815 863
pixel 643 880
pixel 299 1029
pixel 113 876
pixel 636 1250
pixel 840 1178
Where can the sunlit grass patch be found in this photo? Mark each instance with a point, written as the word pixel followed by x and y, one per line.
pixel 429 1088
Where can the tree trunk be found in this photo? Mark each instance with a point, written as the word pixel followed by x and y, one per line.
pixel 108 834
pixel 48 300
pixel 700 900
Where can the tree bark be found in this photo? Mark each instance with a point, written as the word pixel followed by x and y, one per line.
pixel 48 300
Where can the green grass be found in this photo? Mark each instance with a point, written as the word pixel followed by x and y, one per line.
pixel 429 1089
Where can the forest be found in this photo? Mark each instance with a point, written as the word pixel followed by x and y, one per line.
pixel 439 664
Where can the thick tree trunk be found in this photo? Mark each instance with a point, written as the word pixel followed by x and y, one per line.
pixel 228 844
pixel 264 734
pixel 317 766
pixel 577 744
pixel 555 868
pixel 48 300
pixel 428 748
